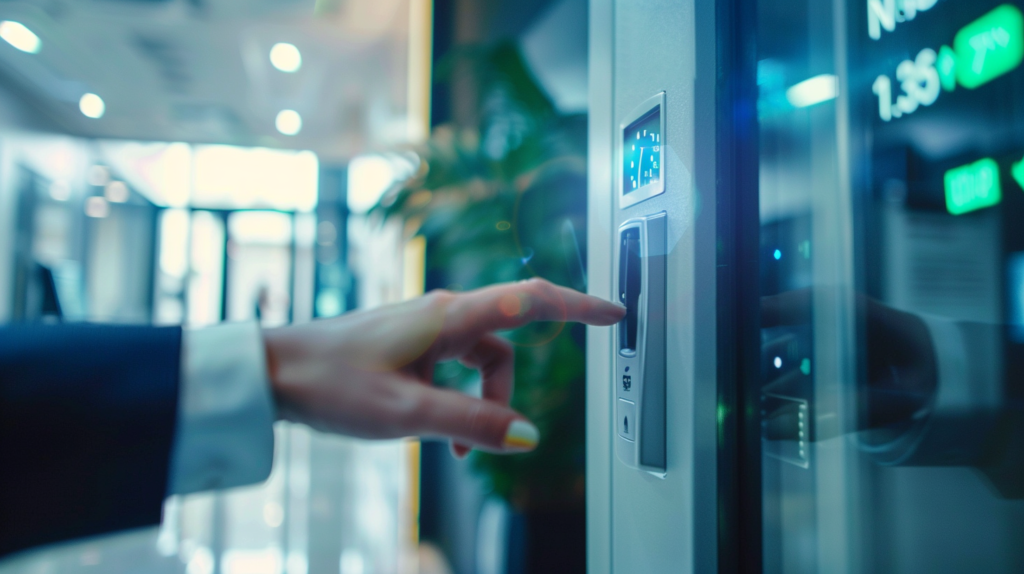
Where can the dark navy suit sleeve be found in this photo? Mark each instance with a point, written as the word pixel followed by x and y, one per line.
pixel 87 417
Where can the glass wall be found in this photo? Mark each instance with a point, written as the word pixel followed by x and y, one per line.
pixel 891 202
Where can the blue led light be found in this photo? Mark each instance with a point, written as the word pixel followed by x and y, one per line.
pixel 778 255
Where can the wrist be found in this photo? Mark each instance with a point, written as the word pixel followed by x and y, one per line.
pixel 274 349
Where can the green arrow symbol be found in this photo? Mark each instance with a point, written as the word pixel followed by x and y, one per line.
pixel 1017 171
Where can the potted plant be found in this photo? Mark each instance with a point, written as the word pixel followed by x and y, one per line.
pixel 505 201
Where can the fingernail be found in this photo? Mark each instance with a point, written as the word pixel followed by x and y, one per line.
pixel 521 436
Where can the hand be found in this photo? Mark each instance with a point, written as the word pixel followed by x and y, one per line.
pixel 369 374
pixel 900 369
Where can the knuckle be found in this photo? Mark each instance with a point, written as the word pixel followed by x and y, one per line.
pixel 544 289
pixel 485 424
pixel 538 292
pixel 439 297
pixel 497 356
pixel 474 419
pixel 503 346
pixel 439 294
pixel 406 411
pixel 539 284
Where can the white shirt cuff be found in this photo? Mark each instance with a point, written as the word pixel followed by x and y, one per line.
pixel 969 356
pixel 967 397
pixel 224 435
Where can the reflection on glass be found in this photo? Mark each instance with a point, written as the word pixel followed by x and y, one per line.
pixel 892 286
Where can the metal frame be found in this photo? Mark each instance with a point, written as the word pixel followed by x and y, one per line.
pixel 720 249
pixel 738 307
pixel 651 189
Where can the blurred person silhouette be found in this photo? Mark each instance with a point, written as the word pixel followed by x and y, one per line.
pixel 266 304
pixel 99 423
pixel 262 303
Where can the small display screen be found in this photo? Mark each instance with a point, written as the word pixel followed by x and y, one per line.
pixel 641 152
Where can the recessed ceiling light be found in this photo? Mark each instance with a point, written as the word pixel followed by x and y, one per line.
pixel 97 207
pixel 812 91
pixel 60 191
pixel 92 106
pixel 285 57
pixel 99 175
pixel 19 36
pixel 288 122
pixel 116 192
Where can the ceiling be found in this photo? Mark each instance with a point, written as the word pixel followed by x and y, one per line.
pixel 199 70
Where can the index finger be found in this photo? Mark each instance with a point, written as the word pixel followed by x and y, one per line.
pixel 512 305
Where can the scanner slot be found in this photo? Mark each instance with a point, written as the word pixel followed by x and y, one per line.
pixel 629 288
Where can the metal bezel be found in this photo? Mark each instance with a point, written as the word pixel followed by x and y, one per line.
pixel 641 337
pixel 628 450
pixel 651 189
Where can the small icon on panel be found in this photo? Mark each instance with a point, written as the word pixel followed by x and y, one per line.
pixel 626 410
pixel 627 382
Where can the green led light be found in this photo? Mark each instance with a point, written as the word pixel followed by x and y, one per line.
pixel 973 186
pixel 946 66
pixel 1017 171
pixel 805 366
pixel 989 46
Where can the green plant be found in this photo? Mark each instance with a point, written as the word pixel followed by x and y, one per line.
pixel 506 201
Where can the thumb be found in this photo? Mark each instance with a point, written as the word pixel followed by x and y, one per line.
pixel 474 422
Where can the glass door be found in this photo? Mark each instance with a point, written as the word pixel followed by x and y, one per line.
pixel 892 285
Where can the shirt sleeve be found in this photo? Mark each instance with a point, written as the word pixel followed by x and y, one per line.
pixel 224 430
pixel 967 398
pixel 969 357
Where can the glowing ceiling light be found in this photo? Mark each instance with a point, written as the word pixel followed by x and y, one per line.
pixel 812 91
pixel 369 176
pixel 286 57
pixel 97 207
pixel 99 175
pixel 92 106
pixel 19 36
pixel 116 192
pixel 288 122
pixel 60 191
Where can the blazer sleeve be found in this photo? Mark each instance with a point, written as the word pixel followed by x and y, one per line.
pixel 87 419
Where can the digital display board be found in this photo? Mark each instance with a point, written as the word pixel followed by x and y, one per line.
pixel 933 91
pixel 972 186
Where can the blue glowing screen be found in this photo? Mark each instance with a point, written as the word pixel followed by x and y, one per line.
pixel 641 152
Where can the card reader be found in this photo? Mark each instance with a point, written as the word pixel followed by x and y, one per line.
pixel 639 378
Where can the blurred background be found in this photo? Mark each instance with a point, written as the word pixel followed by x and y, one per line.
pixel 196 161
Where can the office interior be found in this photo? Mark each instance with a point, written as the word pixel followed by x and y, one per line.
pixel 819 242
